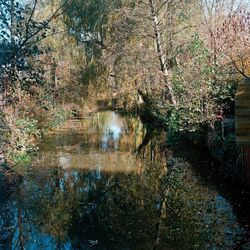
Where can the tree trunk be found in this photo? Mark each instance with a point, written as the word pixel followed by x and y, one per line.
pixel 160 53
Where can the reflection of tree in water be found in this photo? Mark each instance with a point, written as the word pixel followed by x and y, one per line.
pixel 190 215
pixel 163 206
pixel 110 210
pixel 128 211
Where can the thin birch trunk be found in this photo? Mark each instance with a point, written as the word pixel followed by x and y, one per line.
pixel 160 53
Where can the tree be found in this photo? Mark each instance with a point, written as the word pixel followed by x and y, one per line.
pixel 226 29
pixel 141 34
pixel 21 32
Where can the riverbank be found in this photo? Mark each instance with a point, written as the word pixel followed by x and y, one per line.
pixel 219 142
pixel 23 125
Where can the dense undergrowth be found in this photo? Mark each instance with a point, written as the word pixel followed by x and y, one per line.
pixel 27 121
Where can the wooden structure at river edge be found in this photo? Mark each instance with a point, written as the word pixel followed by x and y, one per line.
pixel 242 122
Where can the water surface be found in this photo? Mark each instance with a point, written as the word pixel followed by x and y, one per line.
pixel 107 182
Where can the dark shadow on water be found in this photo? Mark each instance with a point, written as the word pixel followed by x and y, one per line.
pixel 209 172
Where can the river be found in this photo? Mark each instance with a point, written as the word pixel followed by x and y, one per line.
pixel 106 181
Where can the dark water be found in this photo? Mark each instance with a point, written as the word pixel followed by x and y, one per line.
pixel 107 182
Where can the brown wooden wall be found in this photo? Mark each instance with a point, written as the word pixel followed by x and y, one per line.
pixel 246 164
pixel 242 122
pixel 242 113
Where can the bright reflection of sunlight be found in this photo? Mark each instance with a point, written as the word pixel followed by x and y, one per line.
pixel 64 160
pixel 113 131
pixel 103 145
